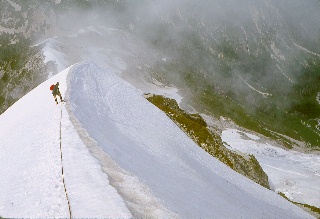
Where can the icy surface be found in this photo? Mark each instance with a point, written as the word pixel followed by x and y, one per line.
pixel 144 141
pixel 295 174
pixel 52 51
pixel 147 166
pixel 31 181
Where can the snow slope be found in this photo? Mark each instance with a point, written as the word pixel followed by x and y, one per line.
pixel 31 180
pixel 142 140
pixel 295 174
pixel 122 157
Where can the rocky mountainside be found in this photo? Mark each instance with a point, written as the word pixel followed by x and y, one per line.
pixel 22 24
pixel 21 63
pixel 198 130
pixel 254 62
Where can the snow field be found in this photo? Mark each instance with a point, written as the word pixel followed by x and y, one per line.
pixel 141 139
pixel 295 174
pixel 119 152
pixel 31 184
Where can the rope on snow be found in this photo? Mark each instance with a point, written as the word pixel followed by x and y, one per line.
pixel 64 185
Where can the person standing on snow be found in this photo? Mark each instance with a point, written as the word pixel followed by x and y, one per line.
pixel 56 92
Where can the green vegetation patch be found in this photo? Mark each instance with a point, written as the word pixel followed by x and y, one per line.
pixel 304 93
pixel 21 68
pixel 196 128
pixel 218 75
pixel 265 123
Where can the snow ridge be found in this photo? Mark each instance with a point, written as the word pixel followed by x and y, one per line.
pixel 31 184
pixel 145 142
pixel 62 174
pixel 292 173
pixel 139 199
pixel 122 158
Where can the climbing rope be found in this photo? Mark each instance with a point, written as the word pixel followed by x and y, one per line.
pixel 64 185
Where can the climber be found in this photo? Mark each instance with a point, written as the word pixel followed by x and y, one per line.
pixel 55 92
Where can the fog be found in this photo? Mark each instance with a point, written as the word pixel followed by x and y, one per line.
pixel 242 48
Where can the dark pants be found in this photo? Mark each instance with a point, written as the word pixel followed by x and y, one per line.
pixel 55 97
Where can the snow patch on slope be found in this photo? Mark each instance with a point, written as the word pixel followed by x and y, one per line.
pixel 139 198
pixel 145 142
pixel 264 94
pixel 305 49
pixel 295 174
pixel 160 89
pixel 30 181
pixel 14 5
pixel 142 155
pixel 52 51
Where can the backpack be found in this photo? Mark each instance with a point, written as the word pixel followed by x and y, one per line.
pixel 51 87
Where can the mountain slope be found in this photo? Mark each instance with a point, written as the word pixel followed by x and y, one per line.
pixel 142 140
pixel 292 173
pixel 31 181
pixel 258 60
pixel 157 170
